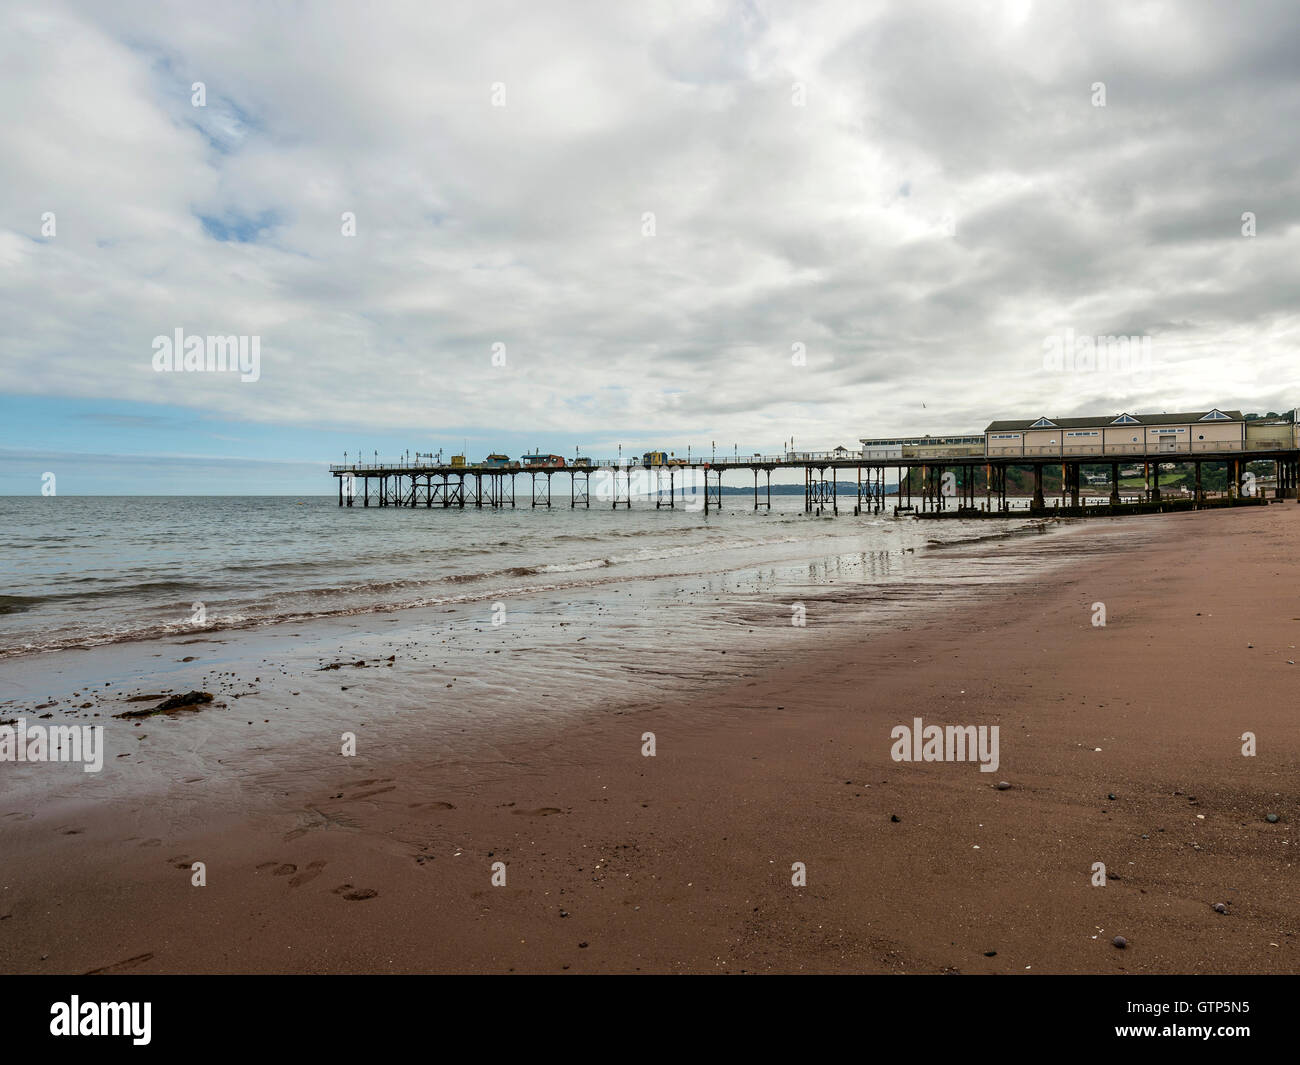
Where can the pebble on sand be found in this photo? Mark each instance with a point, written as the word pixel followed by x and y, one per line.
pixel 1120 942
pixel 1272 819
pixel 1219 907
pixel 1002 785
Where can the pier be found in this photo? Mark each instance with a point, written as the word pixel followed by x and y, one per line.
pixel 953 476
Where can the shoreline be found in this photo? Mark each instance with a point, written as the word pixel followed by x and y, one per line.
pixel 616 862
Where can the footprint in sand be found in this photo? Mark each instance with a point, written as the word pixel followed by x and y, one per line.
pixel 373 791
pixel 121 966
pixel 152 843
pixel 312 871
pixel 543 811
pixel 368 782
pixel 69 831
pixel 432 806
pixel 16 816
pixel 285 869
pixel 355 894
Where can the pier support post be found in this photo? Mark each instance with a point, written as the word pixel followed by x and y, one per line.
pixel 1039 503
pixel 1155 482
pixel 1114 484
pixel 1076 471
pixel 712 501
pixel 1199 497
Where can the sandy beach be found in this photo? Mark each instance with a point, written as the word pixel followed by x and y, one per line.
pixel 1122 744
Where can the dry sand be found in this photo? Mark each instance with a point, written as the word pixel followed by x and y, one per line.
pixel 616 862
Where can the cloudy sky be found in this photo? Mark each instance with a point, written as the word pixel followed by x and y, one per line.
pixel 679 223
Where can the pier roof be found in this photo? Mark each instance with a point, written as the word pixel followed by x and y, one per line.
pixel 1097 421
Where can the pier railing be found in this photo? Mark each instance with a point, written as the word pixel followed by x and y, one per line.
pixel 1105 452
pixel 955 454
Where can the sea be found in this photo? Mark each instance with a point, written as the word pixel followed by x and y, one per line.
pixel 80 572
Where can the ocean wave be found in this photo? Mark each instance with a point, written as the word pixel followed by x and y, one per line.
pixel 16 604
pixel 63 641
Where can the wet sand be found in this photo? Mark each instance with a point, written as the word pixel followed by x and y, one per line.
pixel 681 862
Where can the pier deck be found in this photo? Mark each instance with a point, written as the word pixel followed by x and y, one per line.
pixel 949 483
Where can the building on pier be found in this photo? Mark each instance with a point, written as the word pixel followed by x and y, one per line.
pixel 921 447
pixel 1118 435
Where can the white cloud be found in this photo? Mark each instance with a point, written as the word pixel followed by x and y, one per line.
pixel 774 223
